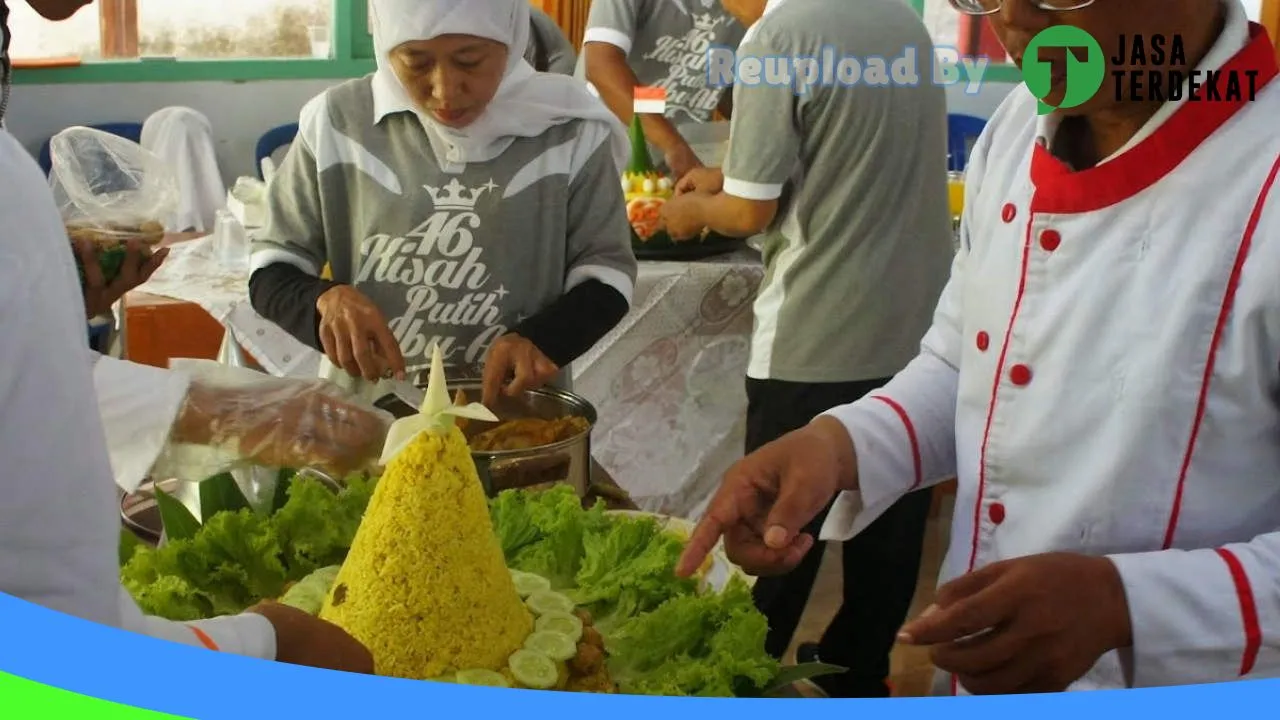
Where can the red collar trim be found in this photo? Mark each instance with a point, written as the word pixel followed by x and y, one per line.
pixel 1061 190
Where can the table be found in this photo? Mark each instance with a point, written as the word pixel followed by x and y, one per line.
pixel 667 383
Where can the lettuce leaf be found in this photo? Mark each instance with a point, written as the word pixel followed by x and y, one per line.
pixel 558 524
pixel 316 526
pixel 628 568
pixel 708 645
pixel 238 558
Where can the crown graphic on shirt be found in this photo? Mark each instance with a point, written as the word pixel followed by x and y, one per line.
pixel 706 21
pixel 456 196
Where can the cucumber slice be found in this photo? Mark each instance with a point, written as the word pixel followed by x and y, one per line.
pixel 546 602
pixel 528 583
pixel 533 669
pixel 563 623
pixel 552 644
pixel 488 678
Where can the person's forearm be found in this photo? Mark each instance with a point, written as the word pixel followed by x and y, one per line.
pixel 729 215
pixel 571 325
pixel 608 71
pixel 287 296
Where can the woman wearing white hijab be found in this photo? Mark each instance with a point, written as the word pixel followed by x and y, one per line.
pixel 460 198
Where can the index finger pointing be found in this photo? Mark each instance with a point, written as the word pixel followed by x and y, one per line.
pixel 703 540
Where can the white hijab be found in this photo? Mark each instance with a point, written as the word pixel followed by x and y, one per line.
pixel 527 103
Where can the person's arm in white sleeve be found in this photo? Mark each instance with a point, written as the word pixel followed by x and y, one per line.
pixel 247 634
pixel 1212 614
pixel 138 405
pixel 1200 616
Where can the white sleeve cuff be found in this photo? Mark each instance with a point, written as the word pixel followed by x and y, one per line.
pixel 762 192
pixel 889 466
pixel 1201 616
pixel 615 279
pixel 271 255
pixel 248 634
pixel 618 39
pixel 138 405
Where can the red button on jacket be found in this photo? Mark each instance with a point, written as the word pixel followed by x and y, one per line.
pixel 996 513
pixel 1050 240
pixel 1020 375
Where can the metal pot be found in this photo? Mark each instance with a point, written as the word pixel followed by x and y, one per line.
pixel 567 462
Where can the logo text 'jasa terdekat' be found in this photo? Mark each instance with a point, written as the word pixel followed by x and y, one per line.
pixel 1156 69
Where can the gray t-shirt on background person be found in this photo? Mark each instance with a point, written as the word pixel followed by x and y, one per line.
pixel 454 258
pixel 666 42
pixel 861 247
pixel 548 43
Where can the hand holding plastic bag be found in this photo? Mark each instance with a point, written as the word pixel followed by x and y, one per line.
pixel 110 191
pixel 106 182
pixel 235 417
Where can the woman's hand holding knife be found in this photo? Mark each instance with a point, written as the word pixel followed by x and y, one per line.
pixel 357 337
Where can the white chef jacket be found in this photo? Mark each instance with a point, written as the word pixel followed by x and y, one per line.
pixel 1103 375
pixel 59 519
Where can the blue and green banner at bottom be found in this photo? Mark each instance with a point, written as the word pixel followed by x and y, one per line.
pixel 22 699
pixel 54 666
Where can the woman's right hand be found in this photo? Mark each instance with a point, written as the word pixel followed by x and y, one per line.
pixel 356 336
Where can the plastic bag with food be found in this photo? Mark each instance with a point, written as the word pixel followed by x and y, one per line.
pixel 238 418
pixel 110 190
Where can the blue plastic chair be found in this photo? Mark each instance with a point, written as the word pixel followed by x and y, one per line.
pixel 962 133
pixel 127 130
pixel 273 140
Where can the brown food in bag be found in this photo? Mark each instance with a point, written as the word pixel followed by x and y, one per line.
pixel 148 233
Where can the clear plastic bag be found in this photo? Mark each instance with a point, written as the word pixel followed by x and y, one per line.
pixel 110 189
pixel 236 419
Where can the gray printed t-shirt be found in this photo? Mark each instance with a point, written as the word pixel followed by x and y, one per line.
pixel 861 247
pixel 667 42
pixel 456 259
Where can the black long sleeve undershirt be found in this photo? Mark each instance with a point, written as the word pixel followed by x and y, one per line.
pixel 563 330
pixel 287 296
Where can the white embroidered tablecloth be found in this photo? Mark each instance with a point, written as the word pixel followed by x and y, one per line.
pixel 667 382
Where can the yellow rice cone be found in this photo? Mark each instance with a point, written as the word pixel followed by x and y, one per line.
pixel 425 586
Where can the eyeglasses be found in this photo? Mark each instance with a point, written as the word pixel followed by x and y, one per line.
pixel 991 7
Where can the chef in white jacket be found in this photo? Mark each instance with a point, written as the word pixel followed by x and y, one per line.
pixel 59 526
pixel 1102 377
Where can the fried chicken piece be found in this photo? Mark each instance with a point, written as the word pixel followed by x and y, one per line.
pixel 597 683
pixel 588 661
